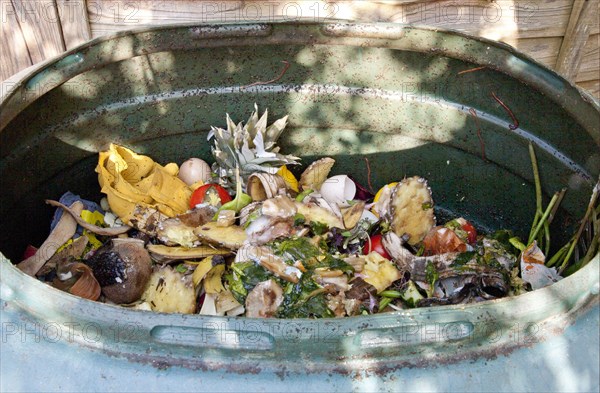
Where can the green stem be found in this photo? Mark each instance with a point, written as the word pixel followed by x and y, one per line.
pixel 543 219
pixel 593 249
pixel 538 188
pixel 384 303
pixel 547 237
pixel 591 252
pixel 540 237
pixel 300 197
pixel 391 294
pixel 536 219
pixel 586 217
pixel 516 242
pixel 559 254
pixel 561 195
pixel 554 259
pixel 536 177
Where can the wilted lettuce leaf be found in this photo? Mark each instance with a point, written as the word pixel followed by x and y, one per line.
pixel 300 301
pixel 299 249
pixel 247 276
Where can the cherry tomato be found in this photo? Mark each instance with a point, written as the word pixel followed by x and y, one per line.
pixel 29 252
pixel 471 232
pixel 212 194
pixel 377 246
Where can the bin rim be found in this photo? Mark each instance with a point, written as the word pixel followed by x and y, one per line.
pixel 17 83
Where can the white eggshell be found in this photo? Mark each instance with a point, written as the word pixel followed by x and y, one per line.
pixel 194 170
pixel 367 215
pixel 338 189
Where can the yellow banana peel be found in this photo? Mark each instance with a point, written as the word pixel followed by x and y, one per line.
pixel 169 190
pixel 129 179
pixel 289 178
pixel 172 169
pixel 133 167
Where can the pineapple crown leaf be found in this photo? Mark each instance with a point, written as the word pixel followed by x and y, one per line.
pixel 251 147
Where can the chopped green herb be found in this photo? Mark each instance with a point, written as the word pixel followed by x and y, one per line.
pixel 411 294
pixel 296 249
pixel 299 219
pixel 431 275
pixel 303 195
pixel 463 258
pixel 335 264
pixel 318 228
pixel 236 287
pixel 247 276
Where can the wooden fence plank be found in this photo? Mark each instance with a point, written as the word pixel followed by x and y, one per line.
pixel 544 50
pixel 574 17
pixel 593 87
pixel 535 28
pixel 15 56
pixel 576 36
pixel 41 28
pixel 491 19
pixel 74 21
pixel 502 19
pixel 590 63
pixel 109 16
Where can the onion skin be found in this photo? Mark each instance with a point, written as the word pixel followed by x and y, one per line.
pixel 442 240
pixel 86 286
pixel 194 170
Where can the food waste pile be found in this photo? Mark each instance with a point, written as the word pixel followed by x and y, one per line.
pixel 244 236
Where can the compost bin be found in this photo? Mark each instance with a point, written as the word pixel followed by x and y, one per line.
pixel 403 97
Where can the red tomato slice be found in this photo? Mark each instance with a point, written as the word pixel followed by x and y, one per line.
pixel 377 246
pixel 212 194
pixel 471 232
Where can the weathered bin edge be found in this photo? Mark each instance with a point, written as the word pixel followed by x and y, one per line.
pixel 411 338
pixel 18 93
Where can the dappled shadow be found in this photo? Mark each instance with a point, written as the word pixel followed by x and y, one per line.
pixel 406 111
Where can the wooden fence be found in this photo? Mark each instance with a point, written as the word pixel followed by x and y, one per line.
pixel 562 34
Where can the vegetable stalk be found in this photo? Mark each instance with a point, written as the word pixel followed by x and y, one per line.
pixel 586 217
pixel 543 239
pixel 543 220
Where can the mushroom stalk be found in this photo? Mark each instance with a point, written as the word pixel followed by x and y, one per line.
pixel 64 230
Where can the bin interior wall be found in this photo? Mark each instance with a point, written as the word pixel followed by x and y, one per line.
pixel 406 112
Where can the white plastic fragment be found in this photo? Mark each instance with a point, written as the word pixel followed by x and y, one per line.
pixel 533 269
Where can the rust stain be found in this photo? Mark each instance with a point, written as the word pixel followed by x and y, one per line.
pixel 515 124
pixel 471 70
pixel 283 71
pixel 355 367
